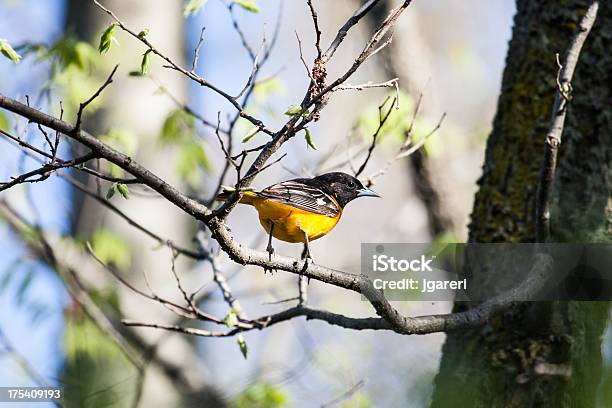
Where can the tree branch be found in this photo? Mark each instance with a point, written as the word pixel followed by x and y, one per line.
pixel 382 119
pixel 315 22
pixel 189 74
pixel 390 317
pixel 189 205
pixel 45 171
pixel 553 138
pixel 83 105
pixel 352 21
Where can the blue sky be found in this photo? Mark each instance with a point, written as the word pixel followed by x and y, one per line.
pixel 38 340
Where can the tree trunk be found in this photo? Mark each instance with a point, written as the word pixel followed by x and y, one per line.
pixel 493 366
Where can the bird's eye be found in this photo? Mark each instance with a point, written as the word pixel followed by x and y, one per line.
pixel 351 184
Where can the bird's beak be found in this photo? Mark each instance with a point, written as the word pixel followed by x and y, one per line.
pixel 366 192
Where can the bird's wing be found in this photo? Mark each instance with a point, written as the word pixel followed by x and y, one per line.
pixel 302 194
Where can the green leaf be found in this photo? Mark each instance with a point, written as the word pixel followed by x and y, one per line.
pixel 397 123
pixel 6 280
pixel 192 160
pixel 83 340
pixel 231 319
pixel 31 235
pixel 268 396
pixel 293 110
pixel 108 36
pixel 193 6
pixel 111 191
pixel 123 190
pixel 8 51
pixel 106 298
pixel 267 88
pixel 24 286
pixel 143 33
pixel 76 85
pixel 4 122
pixel 179 127
pixel 110 248
pixel 84 55
pixel 250 5
pixel 251 134
pixel 72 53
pixel 122 140
pixel 144 65
pixel 244 349
pixel 308 137
pixel 38 50
pixel 11 272
pixel 38 312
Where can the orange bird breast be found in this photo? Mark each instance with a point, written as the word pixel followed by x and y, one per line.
pixel 291 223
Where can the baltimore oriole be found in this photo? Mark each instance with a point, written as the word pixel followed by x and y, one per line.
pixel 303 209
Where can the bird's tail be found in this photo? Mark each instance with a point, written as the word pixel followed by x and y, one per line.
pixel 247 196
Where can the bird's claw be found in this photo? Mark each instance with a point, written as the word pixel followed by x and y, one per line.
pixel 270 251
pixel 307 262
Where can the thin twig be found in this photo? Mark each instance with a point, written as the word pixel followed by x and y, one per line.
pixel 73 285
pixel 57 135
pixel 194 308
pixel 352 21
pixel 302 290
pixel 292 126
pixel 553 138
pixel 23 144
pixel 243 40
pixel 536 279
pixel 369 85
pixel 345 395
pixel 83 105
pixel 315 21
pixel 173 371
pixel 196 51
pixel 45 171
pixel 23 363
pixel 183 106
pixel 254 69
pixel 191 75
pixel 405 150
pixel 382 119
pixel 174 307
pixel 106 203
pixel 302 57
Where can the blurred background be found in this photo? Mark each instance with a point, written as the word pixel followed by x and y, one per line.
pixel 442 50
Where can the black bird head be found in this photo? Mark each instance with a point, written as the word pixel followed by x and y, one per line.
pixel 344 187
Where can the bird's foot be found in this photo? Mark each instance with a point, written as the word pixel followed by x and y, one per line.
pixel 270 251
pixel 307 262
